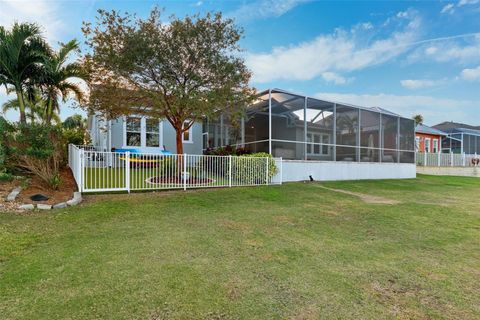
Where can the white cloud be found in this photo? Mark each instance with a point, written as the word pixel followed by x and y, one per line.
pixel 461 49
pixel 449 8
pixel 341 51
pixel 418 83
pixel 433 109
pixel 262 9
pixel 334 78
pixel 470 74
pixel 462 3
pixel 45 13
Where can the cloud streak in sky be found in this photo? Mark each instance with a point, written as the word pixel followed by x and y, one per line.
pixel 340 52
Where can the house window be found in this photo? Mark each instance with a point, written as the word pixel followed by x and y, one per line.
pixel 318 144
pixel 417 143
pixel 435 145
pixel 134 132
pixel 152 133
pixel 187 135
pixel 427 144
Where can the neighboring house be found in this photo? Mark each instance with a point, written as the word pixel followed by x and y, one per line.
pixel 142 134
pixel 462 138
pixel 428 139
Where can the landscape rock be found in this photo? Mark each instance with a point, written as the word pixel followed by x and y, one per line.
pixel 60 205
pixel 73 202
pixel 12 195
pixel 41 206
pixel 26 207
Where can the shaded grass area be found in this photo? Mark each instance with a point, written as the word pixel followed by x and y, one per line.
pixel 296 251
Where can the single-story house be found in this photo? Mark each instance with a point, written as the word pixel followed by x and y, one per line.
pixel 324 139
pixel 462 138
pixel 428 139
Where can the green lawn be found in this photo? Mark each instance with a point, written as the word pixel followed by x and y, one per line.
pixel 296 251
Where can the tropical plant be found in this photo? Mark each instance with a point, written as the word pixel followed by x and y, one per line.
pixel 22 51
pixel 38 149
pixel 183 70
pixel 75 121
pixel 35 107
pixel 418 118
pixel 58 75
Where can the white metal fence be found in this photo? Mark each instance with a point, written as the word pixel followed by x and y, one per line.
pixel 98 171
pixel 447 159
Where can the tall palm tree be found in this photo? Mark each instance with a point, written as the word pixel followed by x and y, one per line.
pixel 22 51
pixel 58 75
pixel 35 107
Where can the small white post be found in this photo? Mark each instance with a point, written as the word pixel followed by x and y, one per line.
pixel 266 178
pixel 230 171
pixel 184 171
pixel 425 158
pixel 451 159
pixel 80 170
pixel 438 158
pixel 463 159
pixel 281 170
pixel 127 171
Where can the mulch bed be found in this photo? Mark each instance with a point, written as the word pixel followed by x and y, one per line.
pixel 36 186
pixel 5 188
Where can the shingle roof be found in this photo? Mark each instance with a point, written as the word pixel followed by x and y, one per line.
pixel 421 128
pixel 450 125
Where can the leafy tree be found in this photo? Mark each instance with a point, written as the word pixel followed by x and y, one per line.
pixel 58 74
pixel 418 118
pixel 22 50
pixel 181 71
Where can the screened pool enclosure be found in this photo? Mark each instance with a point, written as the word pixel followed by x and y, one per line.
pixel 296 127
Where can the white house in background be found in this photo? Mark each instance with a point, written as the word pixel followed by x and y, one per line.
pixel 142 134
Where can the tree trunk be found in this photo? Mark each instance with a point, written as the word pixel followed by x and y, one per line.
pixel 48 118
pixel 179 140
pixel 21 104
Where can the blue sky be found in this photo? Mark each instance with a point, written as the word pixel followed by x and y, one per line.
pixel 408 57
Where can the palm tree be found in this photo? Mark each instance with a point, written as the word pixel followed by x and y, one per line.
pixel 22 51
pixel 35 107
pixel 58 76
pixel 75 122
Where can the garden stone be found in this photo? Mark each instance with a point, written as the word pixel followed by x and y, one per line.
pixel 26 207
pixel 41 206
pixel 60 205
pixel 13 194
pixel 73 202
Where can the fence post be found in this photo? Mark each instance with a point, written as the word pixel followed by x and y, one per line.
pixel 438 160
pixel 184 173
pixel 266 180
pixel 230 171
pixel 451 159
pixel 464 159
pixel 80 170
pixel 281 170
pixel 425 158
pixel 127 171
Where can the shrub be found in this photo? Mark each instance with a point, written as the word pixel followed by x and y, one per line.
pixel 226 151
pixel 253 171
pixel 38 149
